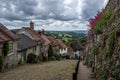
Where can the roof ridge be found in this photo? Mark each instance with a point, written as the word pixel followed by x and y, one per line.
pixel 4 30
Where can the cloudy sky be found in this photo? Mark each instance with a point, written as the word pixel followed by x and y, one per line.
pixel 49 14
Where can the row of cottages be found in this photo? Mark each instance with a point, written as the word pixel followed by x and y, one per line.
pixel 8 48
pixel 30 42
pixel 46 42
pixel 54 43
pixel 58 46
pixel 17 47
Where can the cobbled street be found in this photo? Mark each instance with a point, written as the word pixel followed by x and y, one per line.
pixel 54 70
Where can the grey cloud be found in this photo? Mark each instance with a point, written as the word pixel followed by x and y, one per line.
pixel 47 12
pixel 27 8
pixel 91 7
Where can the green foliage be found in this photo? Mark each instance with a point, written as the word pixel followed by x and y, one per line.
pixel 109 63
pixel 45 58
pixel 6 48
pixel 103 75
pixel 1 62
pixel 52 58
pixel 118 31
pixel 107 53
pixel 95 49
pixel 20 62
pixel 52 55
pixel 50 51
pixel 111 41
pixel 32 58
pixel 116 71
pixel 98 29
pixel 57 56
pixel 67 56
pixel 83 41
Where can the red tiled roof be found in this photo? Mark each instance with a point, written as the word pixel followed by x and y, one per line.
pixel 32 33
pixel 3 37
pixel 53 41
pixel 70 49
pixel 61 44
pixel 6 34
pixel 44 37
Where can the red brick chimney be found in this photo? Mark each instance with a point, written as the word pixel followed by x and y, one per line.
pixel 32 25
pixel 40 32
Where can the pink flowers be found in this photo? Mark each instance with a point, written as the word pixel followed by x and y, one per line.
pixel 93 22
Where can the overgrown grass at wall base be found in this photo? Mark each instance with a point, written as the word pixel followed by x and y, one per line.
pixel 20 62
pixel 116 72
pixel 102 75
pixel 54 57
pixel 45 58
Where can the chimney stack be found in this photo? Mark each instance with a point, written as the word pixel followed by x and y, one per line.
pixel 43 31
pixel 40 32
pixel 32 25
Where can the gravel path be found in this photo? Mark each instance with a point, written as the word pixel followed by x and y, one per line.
pixel 56 70
pixel 83 72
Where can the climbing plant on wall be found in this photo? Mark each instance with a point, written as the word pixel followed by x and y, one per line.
pixel 102 22
pixel 6 48
pixel 95 49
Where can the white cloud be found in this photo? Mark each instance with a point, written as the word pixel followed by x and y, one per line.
pixel 49 14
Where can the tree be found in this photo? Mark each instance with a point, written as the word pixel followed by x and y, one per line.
pixel 50 51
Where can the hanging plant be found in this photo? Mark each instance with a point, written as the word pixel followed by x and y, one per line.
pixel 6 48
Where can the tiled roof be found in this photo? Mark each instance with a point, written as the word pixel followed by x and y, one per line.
pixel 3 37
pixel 52 40
pixel 75 46
pixel 6 34
pixel 61 44
pixel 23 39
pixel 70 49
pixel 32 33
pixel 44 37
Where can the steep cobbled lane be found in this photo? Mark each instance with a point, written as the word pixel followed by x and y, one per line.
pixel 54 70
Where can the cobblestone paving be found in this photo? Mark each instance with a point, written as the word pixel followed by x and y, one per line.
pixel 56 70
